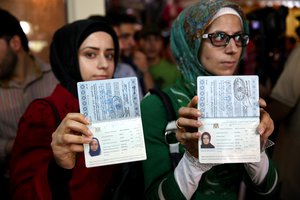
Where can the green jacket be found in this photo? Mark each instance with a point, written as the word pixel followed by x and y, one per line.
pixel 220 182
pixel 164 73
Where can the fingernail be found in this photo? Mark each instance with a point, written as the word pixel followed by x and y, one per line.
pixel 88 121
pixel 87 140
pixel 89 132
pixel 261 130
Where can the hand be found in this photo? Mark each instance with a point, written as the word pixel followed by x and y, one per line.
pixel 266 126
pixel 187 123
pixel 68 139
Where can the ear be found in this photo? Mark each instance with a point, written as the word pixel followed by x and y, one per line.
pixel 15 43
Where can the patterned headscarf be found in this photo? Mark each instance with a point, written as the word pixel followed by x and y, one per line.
pixel 187 31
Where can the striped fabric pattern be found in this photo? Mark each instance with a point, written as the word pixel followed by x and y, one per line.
pixel 14 100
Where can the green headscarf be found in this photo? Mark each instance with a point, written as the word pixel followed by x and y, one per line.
pixel 186 34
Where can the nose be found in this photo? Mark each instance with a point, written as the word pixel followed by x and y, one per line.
pixel 132 41
pixel 102 62
pixel 231 47
pixel 121 45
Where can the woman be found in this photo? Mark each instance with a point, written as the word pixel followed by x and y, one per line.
pixel 48 161
pixel 95 149
pixel 207 38
pixel 205 140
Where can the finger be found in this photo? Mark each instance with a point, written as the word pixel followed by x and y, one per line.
pixel 71 138
pixel 266 126
pixel 262 103
pixel 193 103
pixel 77 117
pixel 185 137
pixel 189 112
pixel 76 122
pixel 76 148
pixel 189 136
pixel 183 123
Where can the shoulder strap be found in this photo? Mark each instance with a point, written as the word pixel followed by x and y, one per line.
pixel 166 101
pixel 170 129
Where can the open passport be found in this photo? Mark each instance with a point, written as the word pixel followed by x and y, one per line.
pixel 113 108
pixel 230 116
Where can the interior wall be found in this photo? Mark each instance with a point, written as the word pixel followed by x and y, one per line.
pixel 44 18
pixel 80 9
pixel 292 22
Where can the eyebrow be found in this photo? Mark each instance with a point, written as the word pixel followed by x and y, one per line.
pixel 124 35
pixel 96 48
pixel 218 31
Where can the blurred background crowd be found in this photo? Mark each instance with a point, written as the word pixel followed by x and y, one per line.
pixel 273 26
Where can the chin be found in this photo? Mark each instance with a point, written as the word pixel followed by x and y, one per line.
pixel 224 74
pixel 227 72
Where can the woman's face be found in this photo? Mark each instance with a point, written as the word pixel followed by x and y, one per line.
pixel 222 60
pixel 205 139
pixel 96 57
pixel 94 145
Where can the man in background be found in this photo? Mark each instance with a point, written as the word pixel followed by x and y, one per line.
pixel 23 78
pixel 284 109
pixel 164 73
pixel 130 54
pixel 127 47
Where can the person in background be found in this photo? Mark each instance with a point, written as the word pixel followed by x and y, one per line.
pixel 123 69
pixel 207 38
pixel 130 54
pixel 171 11
pixel 163 72
pixel 284 108
pixel 23 78
pixel 47 159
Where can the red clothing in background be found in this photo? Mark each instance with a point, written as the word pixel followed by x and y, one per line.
pixel 32 154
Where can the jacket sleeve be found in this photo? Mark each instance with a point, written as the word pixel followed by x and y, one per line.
pixel 32 153
pixel 268 187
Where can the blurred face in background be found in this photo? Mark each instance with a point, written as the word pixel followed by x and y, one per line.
pixel 118 32
pixel 153 45
pixel 127 32
pixel 8 59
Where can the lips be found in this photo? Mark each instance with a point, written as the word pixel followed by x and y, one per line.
pixel 100 77
pixel 229 64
